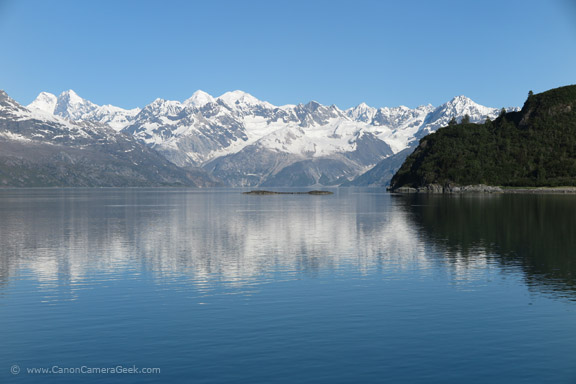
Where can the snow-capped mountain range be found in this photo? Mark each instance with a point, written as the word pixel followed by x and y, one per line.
pixel 38 148
pixel 72 107
pixel 248 142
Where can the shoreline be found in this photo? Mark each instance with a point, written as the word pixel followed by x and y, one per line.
pixel 481 188
pixel 540 190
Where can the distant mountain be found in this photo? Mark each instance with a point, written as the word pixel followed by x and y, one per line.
pixel 307 144
pixel 535 146
pixel 381 174
pixel 248 142
pixel 40 149
pixel 418 123
pixel 72 107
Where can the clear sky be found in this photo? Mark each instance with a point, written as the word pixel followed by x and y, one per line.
pixel 384 53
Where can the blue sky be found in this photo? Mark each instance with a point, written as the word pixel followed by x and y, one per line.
pixel 384 53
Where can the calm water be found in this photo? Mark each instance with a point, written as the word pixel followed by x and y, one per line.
pixel 220 287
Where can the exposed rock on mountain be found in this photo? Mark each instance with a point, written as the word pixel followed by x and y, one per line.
pixel 249 142
pixel 72 107
pixel 381 174
pixel 41 149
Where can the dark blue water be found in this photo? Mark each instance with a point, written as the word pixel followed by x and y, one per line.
pixel 219 287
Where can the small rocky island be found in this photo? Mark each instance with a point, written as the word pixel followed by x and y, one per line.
pixel 288 193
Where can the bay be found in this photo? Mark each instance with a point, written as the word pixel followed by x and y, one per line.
pixel 213 286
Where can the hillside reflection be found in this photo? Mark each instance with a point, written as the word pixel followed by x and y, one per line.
pixel 534 232
pixel 72 237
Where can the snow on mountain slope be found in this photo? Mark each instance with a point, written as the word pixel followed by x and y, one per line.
pixel 247 141
pixel 45 102
pixel 48 127
pixel 222 132
pixel 397 125
pixel 457 108
pixel 72 107
pixel 184 133
pixel 37 123
pixel 362 112
pixel 401 126
pixel 317 147
pixel 243 102
pixel 336 136
pixel 41 149
pixel 199 99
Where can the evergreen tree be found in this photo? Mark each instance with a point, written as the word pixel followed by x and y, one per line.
pixel 532 147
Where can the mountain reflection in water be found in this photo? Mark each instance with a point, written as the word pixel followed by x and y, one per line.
pixel 221 236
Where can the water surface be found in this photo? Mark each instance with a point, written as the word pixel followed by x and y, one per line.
pixel 212 286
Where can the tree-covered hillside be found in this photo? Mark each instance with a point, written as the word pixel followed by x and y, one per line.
pixel 533 147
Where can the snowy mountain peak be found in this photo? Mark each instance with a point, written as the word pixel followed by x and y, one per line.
pixel 462 105
pixel 9 105
pixel 71 106
pixel 312 105
pixel 158 101
pixel 161 107
pixel 199 99
pixel 461 98
pixel 239 98
pixel 13 111
pixel 72 96
pixel 362 112
pixel 363 106
pixel 457 108
pixel 44 102
pixel 461 101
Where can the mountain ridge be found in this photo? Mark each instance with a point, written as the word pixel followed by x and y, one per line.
pixel 221 133
pixel 41 149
